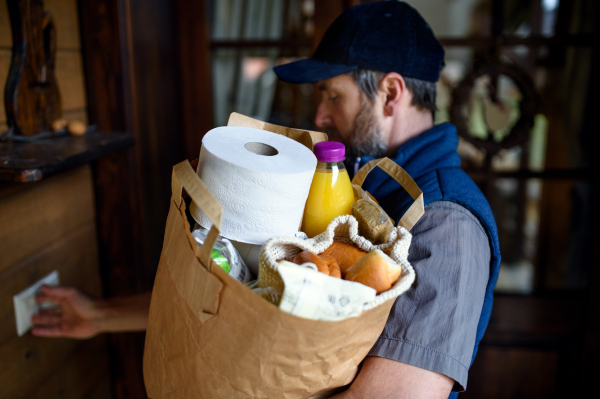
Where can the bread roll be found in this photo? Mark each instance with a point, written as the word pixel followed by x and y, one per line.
pixel 332 265
pixel 346 255
pixel 375 270
pixel 325 264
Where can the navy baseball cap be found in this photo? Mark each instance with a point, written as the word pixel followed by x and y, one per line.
pixel 385 36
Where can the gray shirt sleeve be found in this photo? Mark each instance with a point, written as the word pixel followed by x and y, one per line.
pixel 433 324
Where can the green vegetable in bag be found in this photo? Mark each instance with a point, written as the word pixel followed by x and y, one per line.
pixel 220 259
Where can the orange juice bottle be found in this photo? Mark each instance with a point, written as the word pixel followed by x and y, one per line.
pixel 331 192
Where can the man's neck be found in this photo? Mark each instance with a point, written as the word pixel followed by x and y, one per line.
pixel 408 127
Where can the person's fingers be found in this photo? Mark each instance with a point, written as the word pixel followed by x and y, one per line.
pixel 39 298
pixel 58 291
pixel 47 332
pixel 48 320
pixel 49 312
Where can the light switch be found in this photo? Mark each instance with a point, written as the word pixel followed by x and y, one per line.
pixel 25 304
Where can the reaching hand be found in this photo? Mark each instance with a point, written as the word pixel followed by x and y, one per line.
pixel 76 316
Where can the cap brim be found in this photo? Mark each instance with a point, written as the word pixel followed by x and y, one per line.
pixel 310 70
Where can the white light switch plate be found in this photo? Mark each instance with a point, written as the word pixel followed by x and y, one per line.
pixel 25 304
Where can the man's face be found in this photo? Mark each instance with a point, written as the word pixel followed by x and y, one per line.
pixel 347 115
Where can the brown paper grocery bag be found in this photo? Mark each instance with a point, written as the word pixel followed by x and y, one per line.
pixel 209 336
pixel 306 137
pixel 417 209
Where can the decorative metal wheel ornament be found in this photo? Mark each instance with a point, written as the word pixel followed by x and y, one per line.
pixel 528 106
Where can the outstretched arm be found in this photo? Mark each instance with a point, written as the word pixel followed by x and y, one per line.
pixel 79 316
pixel 384 378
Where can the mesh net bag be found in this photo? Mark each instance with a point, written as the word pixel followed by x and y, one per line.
pixel 343 229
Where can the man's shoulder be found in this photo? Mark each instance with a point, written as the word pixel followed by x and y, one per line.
pixel 448 213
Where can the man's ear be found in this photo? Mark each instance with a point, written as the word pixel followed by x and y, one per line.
pixel 394 89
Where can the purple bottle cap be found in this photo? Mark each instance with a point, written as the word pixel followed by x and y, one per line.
pixel 330 151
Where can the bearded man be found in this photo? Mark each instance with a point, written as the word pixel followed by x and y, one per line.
pixel 376 69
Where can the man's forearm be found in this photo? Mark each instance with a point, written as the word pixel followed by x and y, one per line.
pixel 384 378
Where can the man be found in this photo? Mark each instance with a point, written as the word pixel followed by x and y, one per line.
pixel 376 69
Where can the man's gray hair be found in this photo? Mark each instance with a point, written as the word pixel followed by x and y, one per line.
pixel 423 91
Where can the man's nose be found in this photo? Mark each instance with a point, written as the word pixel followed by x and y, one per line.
pixel 322 118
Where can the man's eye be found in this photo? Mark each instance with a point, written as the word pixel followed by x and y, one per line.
pixel 332 99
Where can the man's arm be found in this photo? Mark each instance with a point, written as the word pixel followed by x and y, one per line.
pixel 79 316
pixel 384 378
pixel 427 343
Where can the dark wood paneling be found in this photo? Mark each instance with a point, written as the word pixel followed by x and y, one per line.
pixel 512 373
pixel 531 348
pixel 589 370
pixel 69 70
pixel 64 13
pixel 158 118
pixel 102 390
pixel 196 88
pixel 134 83
pixel 48 225
pixel 5 32
pixel 123 271
pixel 74 256
pixel 535 322
pixel 325 13
pixel 85 370
pixel 36 160
pixel 42 213
pixel 29 367
pixel 28 361
pixel 106 45
pixel 69 75
pixel 103 65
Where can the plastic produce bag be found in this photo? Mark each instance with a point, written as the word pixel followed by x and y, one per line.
pixel 225 255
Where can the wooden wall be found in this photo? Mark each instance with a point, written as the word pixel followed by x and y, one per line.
pixel 46 226
pixel 69 63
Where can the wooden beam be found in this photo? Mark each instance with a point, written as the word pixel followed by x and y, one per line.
pixel 196 73
pixel 106 45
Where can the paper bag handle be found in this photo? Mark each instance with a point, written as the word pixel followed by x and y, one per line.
pixel 417 209
pixel 185 177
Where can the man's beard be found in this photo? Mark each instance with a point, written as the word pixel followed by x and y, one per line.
pixel 366 138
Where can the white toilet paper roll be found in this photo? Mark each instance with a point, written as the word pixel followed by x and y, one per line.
pixel 261 178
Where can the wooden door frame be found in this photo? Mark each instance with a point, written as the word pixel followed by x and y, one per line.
pixel 107 33
pixel 106 44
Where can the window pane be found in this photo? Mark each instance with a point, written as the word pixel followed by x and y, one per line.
pixel 261 19
pixel 546 233
pixel 548 17
pixel 243 77
pixel 560 138
pixel 458 18
pixel 244 82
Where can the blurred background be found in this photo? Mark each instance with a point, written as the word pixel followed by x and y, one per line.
pixel 166 72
